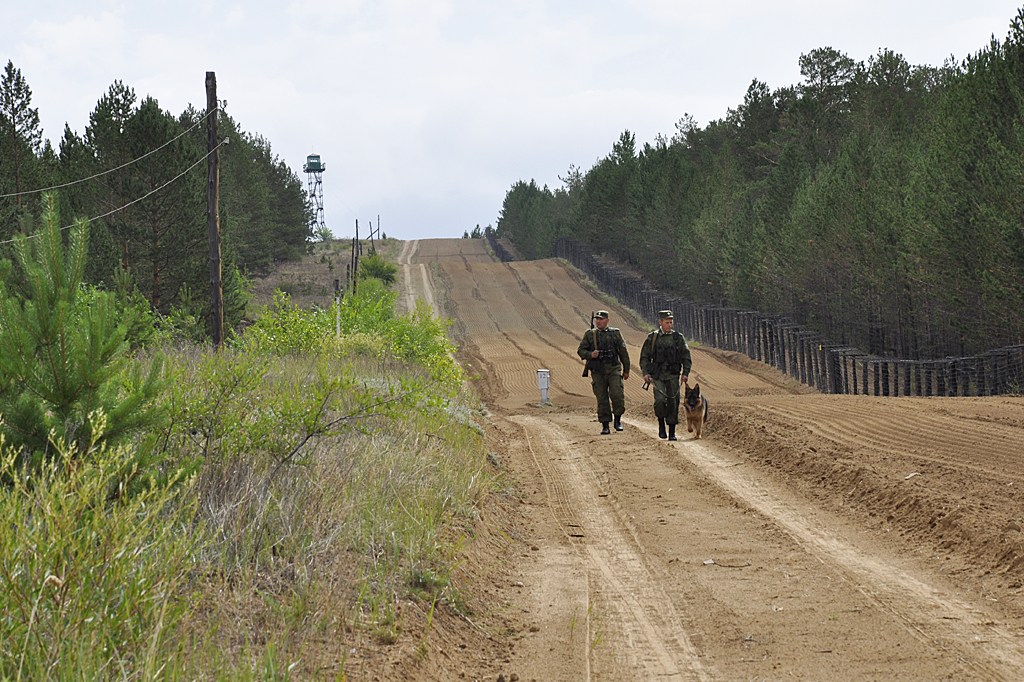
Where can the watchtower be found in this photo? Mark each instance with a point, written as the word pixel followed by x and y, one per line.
pixel 314 169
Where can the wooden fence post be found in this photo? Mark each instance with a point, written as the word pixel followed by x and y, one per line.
pixel 980 367
pixel 780 342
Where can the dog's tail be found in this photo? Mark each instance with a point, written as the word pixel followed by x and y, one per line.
pixel 707 408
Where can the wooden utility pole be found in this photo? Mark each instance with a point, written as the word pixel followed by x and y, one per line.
pixel 356 248
pixel 213 212
pixel 373 247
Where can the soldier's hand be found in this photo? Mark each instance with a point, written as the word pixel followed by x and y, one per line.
pixel 683 379
pixel 595 353
pixel 647 378
pixel 625 375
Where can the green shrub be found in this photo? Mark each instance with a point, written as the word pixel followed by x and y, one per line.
pixel 62 362
pixel 90 589
pixel 416 338
pixel 377 267
pixel 332 468
pixel 136 313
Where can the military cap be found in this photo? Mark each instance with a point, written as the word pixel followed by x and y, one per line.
pixel 664 314
pixel 601 314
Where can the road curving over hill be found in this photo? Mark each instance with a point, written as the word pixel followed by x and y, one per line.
pixel 805 537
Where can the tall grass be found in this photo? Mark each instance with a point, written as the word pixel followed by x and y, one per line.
pixel 90 589
pixel 335 476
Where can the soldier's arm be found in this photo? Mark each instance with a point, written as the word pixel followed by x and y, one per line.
pixel 623 351
pixel 584 350
pixel 623 356
pixel 687 360
pixel 646 351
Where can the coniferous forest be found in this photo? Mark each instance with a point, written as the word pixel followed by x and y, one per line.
pixel 138 173
pixel 877 202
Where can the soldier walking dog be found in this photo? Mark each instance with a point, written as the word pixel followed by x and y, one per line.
pixel 663 357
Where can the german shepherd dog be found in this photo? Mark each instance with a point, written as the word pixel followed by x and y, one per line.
pixel 696 409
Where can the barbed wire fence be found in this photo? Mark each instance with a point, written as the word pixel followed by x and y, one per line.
pixel 803 354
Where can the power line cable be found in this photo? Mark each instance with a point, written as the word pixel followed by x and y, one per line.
pixel 107 172
pixel 135 201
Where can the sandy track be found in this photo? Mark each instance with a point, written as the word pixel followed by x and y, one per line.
pixel 654 644
pixel 940 617
pixel 413 279
pixel 763 552
pixel 516 318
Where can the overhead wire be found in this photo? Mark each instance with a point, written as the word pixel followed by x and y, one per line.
pixel 144 196
pixel 123 165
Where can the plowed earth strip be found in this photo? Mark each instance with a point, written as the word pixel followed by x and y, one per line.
pixel 942 618
pixel 704 560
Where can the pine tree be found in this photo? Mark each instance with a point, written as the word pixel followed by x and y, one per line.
pixel 21 136
pixel 64 381
pixel 105 146
pixel 170 223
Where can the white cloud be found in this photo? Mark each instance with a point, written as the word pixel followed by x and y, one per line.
pixel 235 17
pixel 427 111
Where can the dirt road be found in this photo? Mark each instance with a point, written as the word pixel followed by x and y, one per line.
pixel 805 537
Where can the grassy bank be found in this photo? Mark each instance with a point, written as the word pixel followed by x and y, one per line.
pixel 302 483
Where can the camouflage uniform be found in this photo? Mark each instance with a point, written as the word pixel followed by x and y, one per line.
pixel 606 371
pixel 663 357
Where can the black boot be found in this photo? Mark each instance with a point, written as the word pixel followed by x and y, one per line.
pixel 661 427
pixel 618 422
pixel 605 431
pixel 671 431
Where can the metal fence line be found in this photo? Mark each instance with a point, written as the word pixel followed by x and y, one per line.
pixel 801 353
pixel 499 249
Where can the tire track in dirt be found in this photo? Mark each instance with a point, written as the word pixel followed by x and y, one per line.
pixel 656 646
pixel 414 279
pixel 407 287
pixel 949 622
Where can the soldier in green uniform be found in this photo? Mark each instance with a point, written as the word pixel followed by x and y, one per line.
pixel 604 350
pixel 663 357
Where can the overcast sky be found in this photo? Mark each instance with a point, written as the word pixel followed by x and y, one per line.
pixel 426 112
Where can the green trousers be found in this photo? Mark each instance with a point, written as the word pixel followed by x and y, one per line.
pixel 611 398
pixel 666 399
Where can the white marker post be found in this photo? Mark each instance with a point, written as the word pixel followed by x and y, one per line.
pixel 544 383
